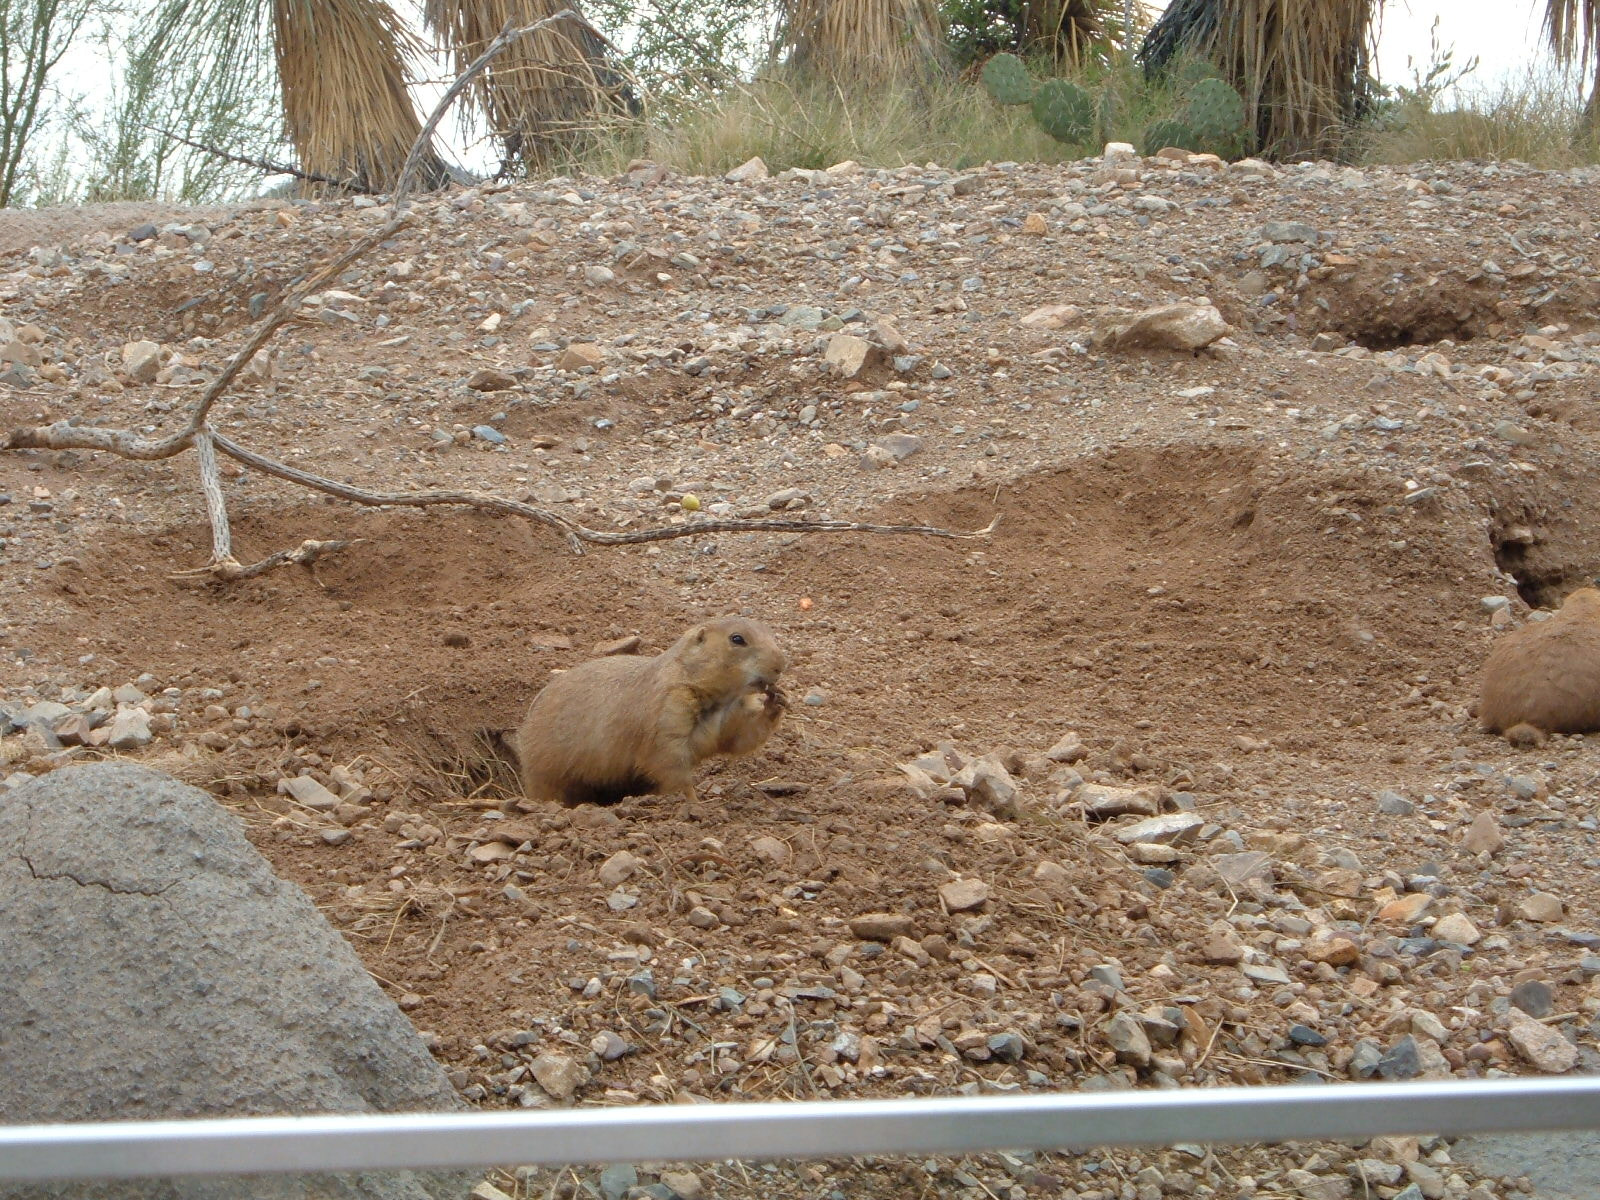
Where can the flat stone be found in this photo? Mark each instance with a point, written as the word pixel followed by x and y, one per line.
pixel 1288 231
pixel 1403 1061
pixel 1335 951
pixel 309 792
pixel 1053 316
pixel 964 895
pixel 1542 1046
pixel 1395 805
pixel 141 361
pixel 1237 870
pixel 1069 748
pixel 771 849
pixel 579 355
pixel 1264 973
pixel 1174 829
pixel 1101 802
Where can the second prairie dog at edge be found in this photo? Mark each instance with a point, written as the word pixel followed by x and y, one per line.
pixel 1545 677
pixel 629 726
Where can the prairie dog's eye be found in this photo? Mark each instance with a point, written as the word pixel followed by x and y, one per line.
pixel 736 638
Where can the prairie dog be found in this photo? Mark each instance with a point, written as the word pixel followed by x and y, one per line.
pixel 628 726
pixel 1545 677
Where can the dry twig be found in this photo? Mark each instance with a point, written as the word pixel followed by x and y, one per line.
pixel 198 434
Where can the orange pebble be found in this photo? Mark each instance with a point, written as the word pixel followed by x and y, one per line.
pixel 805 603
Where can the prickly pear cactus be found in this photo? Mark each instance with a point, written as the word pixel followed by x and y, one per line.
pixel 1064 110
pixel 1162 134
pixel 1007 80
pixel 1216 114
pixel 1194 70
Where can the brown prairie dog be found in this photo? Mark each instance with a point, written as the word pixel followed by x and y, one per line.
pixel 1545 677
pixel 627 726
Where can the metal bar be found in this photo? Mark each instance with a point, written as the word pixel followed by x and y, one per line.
pixel 817 1129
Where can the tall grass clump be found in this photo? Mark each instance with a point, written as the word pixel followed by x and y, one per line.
pixel 852 43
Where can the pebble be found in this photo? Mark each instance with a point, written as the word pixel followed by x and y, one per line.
pixel 1541 906
pixel 619 868
pixel 881 927
pixel 616 1179
pixel 1457 928
pixel 609 1046
pixel 686 1184
pixel 1128 1040
pixel 1403 1061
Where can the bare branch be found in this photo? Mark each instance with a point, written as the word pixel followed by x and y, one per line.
pixel 305 555
pixel 260 164
pixel 509 35
pixel 574 532
pixel 216 504
pixel 65 435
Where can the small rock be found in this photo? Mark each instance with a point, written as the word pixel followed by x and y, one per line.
pixel 129 729
pixel 488 433
pixel 881 927
pixel 1169 327
pixel 490 379
pixel 1458 929
pixel 1403 1061
pixel 142 361
pixel 1068 749
pixel 771 849
pixel 1222 944
pixel 619 868
pixel 964 895
pixel 750 171
pixel 1007 1047
pixel 1534 997
pixel 1483 835
pixel 309 792
pixel 1035 225
pixel 579 355
pixel 1395 805
pixel 1053 316
pixel 1541 906
pixel 1288 231
pixel 702 917
pixel 1128 1039
pixel 1174 829
pixel 1335 951
pixel 1406 909
pixel 559 1075
pixel 1542 1046
pixel 685 1183
pixel 1238 870
pixel 609 1046
pixel 848 355
pixel 616 1179
pixel 1101 802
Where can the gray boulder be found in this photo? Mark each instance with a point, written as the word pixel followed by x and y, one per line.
pixel 155 967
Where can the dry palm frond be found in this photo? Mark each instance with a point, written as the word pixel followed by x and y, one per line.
pixel 1077 32
pixel 1302 66
pixel 546 88
pixel 859 41
pixel 341 67
pixel 1573 27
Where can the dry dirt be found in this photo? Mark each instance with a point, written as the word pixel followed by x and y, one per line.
pixel 1252 579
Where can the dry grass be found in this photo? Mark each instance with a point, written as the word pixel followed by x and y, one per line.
pixel 853 42
pixel 341 67
pixel 1076 33
pixel 815 125
pixel 1532 119
pixel 542 94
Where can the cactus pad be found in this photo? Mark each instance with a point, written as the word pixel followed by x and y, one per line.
pixel 1007 80
pixel 1064 110
pixel 1216 114
pixel 1162 134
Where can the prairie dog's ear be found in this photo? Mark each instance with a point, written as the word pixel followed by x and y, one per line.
pixel 699 634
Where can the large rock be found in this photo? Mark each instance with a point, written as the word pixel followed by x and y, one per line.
pixel 155 967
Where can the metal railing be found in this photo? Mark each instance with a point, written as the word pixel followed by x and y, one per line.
pixel 812 1129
